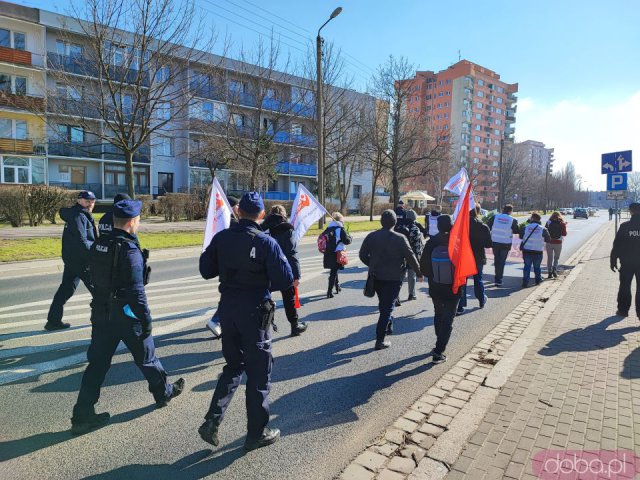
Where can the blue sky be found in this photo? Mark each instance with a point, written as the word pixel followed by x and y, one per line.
pixel 577 61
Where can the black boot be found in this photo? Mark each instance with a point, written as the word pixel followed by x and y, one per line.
pixel 297 328
pixel 81 424
pixel 332 281
pixel 178 387
pixel 338 289
pixel 209 432
pixel 269 436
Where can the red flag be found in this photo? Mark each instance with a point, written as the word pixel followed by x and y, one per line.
pixel 460 251
pixel 297 302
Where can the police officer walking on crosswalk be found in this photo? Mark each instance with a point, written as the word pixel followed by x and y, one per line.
pixel 250 265
pixel 625 248
pixel 119 312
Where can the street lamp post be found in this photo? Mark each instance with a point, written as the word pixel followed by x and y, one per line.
pixel 319 113
pixel 500 193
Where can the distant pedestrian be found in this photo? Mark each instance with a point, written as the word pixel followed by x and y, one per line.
pixel 337 239
pixel 431 221
pixel 610 213
pixel 387 254
pixel 77 237
pixel 503 227
pixel 557 228
pixel 480 237
pixel 415 234
pixel 105 225
pixel 436 265
pixel 400 213
pixel 533 236
pixel 625 248
pixel 278 227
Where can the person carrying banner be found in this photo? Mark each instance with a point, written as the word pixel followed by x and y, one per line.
pixel 277 226
pixel 337 239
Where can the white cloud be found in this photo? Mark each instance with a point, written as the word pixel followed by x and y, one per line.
pixel 580 131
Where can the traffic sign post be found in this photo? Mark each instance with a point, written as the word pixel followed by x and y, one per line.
pixel 614 166
pixel 616 162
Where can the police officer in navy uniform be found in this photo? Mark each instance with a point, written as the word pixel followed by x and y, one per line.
pixel 119 312
pixel 77 237
pixel 105 225
pixel 250 265
pixel 626 247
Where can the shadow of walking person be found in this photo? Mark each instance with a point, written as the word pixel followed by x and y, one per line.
pixel 594 337
pixel 631 366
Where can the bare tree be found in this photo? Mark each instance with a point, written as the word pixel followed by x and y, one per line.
pixel 123 78
pixel 378 145
pixel 515 171
pixel 634 186
pixel 414 150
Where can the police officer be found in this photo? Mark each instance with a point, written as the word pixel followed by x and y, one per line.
pixel 250 264
pixel 119 312
pixel 625 247
pixel 77 237
pixel 105 225
pixel 503 228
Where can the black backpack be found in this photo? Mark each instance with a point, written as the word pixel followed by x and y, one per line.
pixel 555 230
pixel 441 264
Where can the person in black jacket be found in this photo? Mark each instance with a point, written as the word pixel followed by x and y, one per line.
pixel 105 225
pixel 625 247
pixel 444 300
pixel 77 237
pixel 480 237
pixel 415 234
pixel 281 230
pixel 387 254
pixel 337 239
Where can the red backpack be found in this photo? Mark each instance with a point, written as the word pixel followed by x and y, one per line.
pixel 322 241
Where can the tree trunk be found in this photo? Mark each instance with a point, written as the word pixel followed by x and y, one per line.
pixel 253 183
pixel 374 181
pixel 129 174
pixel 395 188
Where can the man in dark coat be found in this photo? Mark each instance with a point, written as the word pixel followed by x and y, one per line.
pixel 78 236
pixel 281 230
pixel 625 248
pixel 105 225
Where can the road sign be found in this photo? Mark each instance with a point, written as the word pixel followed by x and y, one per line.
pixel 617 181
pixel 617 195
pixel 616 162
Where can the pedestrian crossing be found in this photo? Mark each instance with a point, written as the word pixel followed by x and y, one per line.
pixel 176 304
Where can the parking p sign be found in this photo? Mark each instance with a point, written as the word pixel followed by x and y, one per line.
pixel 616 181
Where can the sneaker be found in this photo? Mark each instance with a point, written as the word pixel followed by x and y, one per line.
pixel 178 387
pixel 498 283
pixel 269 436
pixel 215 329
pixel 439 358
pixel 411 297
pixel 49 326
pixel 390 328
pixel 382 345
pixel 550 275
pixel 622 314
pixel 398 304
pixel 555 273
pixel 459 311
pixel 208 432
pixel 483 302
pixel 82 425
pixel 298 328
pixel 525 284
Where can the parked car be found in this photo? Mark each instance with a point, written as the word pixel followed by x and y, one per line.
pixel 580 213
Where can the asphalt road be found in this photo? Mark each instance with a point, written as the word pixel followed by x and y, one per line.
pixel 332 393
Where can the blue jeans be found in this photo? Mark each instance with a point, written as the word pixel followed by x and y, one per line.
pixel 534 259
pixel 499 260
pixel 478 287
pixel 387 291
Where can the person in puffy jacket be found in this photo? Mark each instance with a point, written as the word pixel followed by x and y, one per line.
pixel 281 230
pixel 77 237
pixel 557 228
pixel 337 239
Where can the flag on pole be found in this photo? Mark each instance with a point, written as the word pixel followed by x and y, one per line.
pixel 458 186
pixel 305 211
pixel 460 251
pixel 218 213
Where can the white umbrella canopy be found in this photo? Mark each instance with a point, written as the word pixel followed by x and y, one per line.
pixel 416 199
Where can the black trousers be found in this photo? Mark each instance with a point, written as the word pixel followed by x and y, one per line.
pixel 289 302
pixel 246 347
pixel 445 312
pixel 624 291
pixel 71 277
pixel 387 292
pixel 333 279
pixel 105 337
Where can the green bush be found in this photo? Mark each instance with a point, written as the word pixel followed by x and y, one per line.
pixel 13 205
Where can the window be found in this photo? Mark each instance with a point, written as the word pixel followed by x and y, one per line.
pixel 114 174
pixel 439 105
pixel 15 129
pixel 165 146
pixel 478 116
pixel 446 104
pixel 440 83
pixel 357 191
pixel 271 94
pixel 476 149
pixel 20 86
pixel 71 133
pixel 238 120
pixel 496 132
pixel 164 110
pixel 500 90
pixel 15 170
pixel 478 104
pixel 296 129
pixel 19 41
pixel 499 110
pixel 68 49
pixel 5 83
pixel 6 128
pixel 446 115
pixel 499 100
pixel 448 81
pixel 22 131
pixel 448 93
pixel 163 73
pixel 476 160
pixel 476 138
pixel 440 94
pixel 480 93
pixel 498 121
pixel 236 86
pixel 481 82
pixel 478 127
pixel 5 38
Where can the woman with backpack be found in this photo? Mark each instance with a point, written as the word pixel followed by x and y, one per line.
pixel 334 254
pixel 557 228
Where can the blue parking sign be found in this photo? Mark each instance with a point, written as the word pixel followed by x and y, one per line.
pixel 616 181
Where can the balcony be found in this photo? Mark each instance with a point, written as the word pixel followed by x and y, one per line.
pixel 69 106
pixel 11 55
pixel 32 103
pixel 80 65
pixel 278 196
pixel 112 152
pixel 207 91
pixel 286 168
pixel 242 98
pixel 67 149
pixel 295 139
pixel 22 147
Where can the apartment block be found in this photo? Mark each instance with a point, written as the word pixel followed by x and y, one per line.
pixel 536 156
pixel 476 110
pixel 42 140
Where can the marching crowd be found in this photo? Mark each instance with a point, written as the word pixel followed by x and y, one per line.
pixel 256 256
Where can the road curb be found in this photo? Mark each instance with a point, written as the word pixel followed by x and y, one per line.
pixel 429 437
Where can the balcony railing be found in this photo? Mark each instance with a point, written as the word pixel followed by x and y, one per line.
pixel 207 91
pixel 70 106
pixel 295 139
pixel 11 55
pixel 80 65
pixel 24 147
pixel 22 102
pixel 112 152
pixel 278 196
pixel 287 168
pixel 105 151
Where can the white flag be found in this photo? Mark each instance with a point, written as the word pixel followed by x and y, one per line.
pixel 218 214
pixel 305 211
pixel 458 185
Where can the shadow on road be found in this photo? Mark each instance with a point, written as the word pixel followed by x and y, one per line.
pixel 631 366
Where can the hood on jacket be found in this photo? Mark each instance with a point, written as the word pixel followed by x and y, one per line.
pixel 276 223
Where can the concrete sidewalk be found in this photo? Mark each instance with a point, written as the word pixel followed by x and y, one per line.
pixel 557 373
